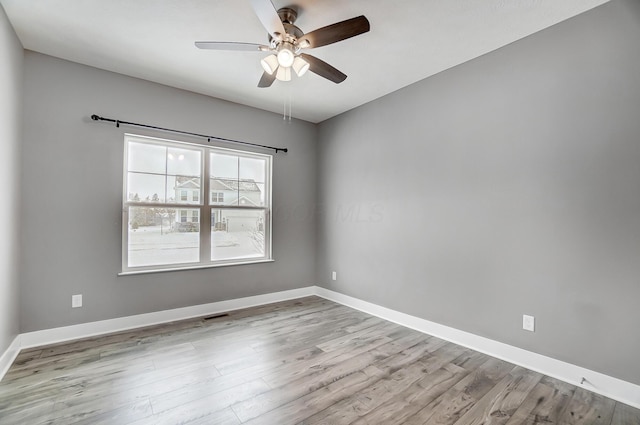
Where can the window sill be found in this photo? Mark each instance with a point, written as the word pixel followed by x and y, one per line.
pixel 198 267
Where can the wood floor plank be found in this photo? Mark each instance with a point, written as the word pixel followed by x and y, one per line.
pixel 501 402
pixel 298 410
pixel 625 415
pixel 97 415
pixel 379 346
pixel 153 384
pixel 406 403
pixel 330 371
pixel 586 407
pixel 411 354
pixel 452 405
pixel 173 417
pixel 471 360
pixel 223 392
pixel 327 360
pixel 544 404
pixel 20 414
pixel 300 361
pixel 197 407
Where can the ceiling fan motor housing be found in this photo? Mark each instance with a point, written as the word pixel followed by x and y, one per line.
pixel 288 15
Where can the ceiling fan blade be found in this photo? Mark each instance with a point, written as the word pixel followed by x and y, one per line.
pixel 323 69
pixel 266 80
pixel 269 17
pixel 222 45
pixel 336 32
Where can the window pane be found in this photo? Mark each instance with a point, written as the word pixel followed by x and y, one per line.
pixel 145 187
pixel 252 169
pixel 237 234
pixel 185 162
pixel 250 194
pixel 223 191
pixel 223 183
pixel 251 185
pixel 183 189
pixel 157 236
pixel 225 166
pixel 146 158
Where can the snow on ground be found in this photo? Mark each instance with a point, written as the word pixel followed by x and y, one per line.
pixel 153 245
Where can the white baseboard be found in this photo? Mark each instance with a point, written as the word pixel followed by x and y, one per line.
pixel 608 386
pixel 85 330
pixel 8 357
pixel 617 389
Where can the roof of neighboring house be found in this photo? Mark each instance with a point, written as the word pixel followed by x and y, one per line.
pixel 187 182
pixel 242 185
pixel 219 183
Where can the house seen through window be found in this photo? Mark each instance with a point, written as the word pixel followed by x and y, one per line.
pixel 168 224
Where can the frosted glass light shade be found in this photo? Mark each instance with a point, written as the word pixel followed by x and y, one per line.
pixel 283 74
pixel 269 64
pixel 300 66
pixel 285 56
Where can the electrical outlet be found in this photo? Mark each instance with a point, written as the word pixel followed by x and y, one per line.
pixel 76 301
pixel 334 276
pixel 528 323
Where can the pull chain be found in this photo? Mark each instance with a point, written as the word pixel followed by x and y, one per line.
pixel 286 116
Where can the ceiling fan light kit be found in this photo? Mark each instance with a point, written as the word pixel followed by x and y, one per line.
pixel 270 64
pixel 285 54
pixel 286 42
pixel 283 74
pixel 300 66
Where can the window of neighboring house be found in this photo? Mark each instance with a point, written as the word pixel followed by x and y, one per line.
pixel 217 197
pixel 164 229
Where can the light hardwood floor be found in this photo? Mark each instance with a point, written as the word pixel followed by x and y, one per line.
pixel 307 361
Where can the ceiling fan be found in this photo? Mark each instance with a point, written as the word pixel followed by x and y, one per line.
pixel 286 42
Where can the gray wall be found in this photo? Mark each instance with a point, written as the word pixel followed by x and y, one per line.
pixel 508 185
pixel 11 65
pixel 71 191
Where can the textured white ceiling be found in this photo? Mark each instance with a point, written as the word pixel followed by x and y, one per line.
pixel 153 39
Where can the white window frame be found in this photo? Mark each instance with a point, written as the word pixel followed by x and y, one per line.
pixel 203 206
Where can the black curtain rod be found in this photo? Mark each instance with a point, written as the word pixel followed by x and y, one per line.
pixel 204 136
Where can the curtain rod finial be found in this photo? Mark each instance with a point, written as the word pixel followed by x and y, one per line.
pixel 95 117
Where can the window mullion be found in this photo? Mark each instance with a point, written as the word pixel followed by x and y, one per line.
pixel 205 211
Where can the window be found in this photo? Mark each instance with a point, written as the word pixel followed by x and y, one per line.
pixel 217 197
pixel 168 224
